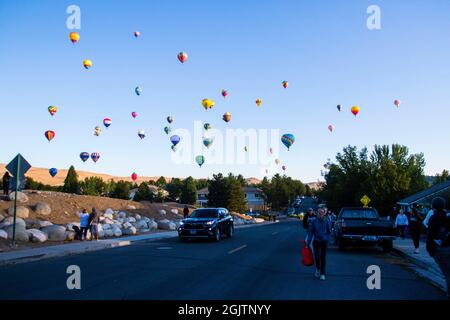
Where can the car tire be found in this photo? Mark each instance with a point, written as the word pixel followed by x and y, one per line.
pixel 230 232
pixel 387 246
pixel 217 235
pixel 341 244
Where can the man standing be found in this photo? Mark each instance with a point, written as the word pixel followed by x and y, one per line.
pixel 185 212
pixel 319 234
pixel 415 227
pixel 93 221
pixel 6 182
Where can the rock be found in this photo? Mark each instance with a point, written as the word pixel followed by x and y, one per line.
pixel 174 211
pixel 117 232
pixel 21 212
pixel 120 220
pixel 131 219
pixel 143 230
pixel 130 231
pixel 116 226
pixel 70 235
pixel 106 226
pixel 3 234
pixel 131 207
pixel 55 232
pixel 166 225
pixel 2 218
pixel 138 217
pixel 21 197
pixel 108 221
pixel 126 225
pixel 43 224
pixel 108 216
pixel 108 233
pixel 101 234
pixel 122 214
pixel 141 224
pixel 36 235
pixel 108 213
pixel 21 233
pixel 259 220
pixel 146 219
pixel 43 209
pixel 152 225
pixel 69 226
pixel 162 212
pixel 10 220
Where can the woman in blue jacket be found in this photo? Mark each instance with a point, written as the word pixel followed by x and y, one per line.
pixel 319 234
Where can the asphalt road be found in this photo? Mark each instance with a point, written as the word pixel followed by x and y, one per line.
pixel 258 263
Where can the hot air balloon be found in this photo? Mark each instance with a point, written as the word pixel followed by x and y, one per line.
pixel 226 117
pixel 208 103
pixel 74 37
pixel 175 139
pixel 283 167
pixel 107 122
pixel 87 64
pixel 141 134
pixel 134 114
pixel 134 176
pixel 49 135
pixel 174 148
pixel 207 126
pixel 200 160
pixel 182 56
pixel 397 103
pixel 339 107
pixel 288 140
pixel 84 156
pixel 138 90
pixel 208 141
pixel 355 110
pixel 52 110
pixel 137 34
pixel 95 156
pixel 169 119
pixel 258 102
pixel 224 93
pixel 285 84
pixel 97 131
pixel 53 172
pixel 167 130
pixel 245 148
pixel 277 161
pixel 331 128
pixel 271 151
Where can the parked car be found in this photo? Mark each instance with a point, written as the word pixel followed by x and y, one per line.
pixel 212 223
pixel 361 225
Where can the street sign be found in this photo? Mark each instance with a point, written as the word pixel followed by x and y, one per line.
pixel 365 200
pixel 23 168
pixel 19 185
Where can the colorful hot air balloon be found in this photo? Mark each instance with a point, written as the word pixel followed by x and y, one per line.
pixel 74 37
pixel 224 93
pixel 53 172
pixel 355 110
pixel 169 119
pixel 175 139
pixel 84 156
pixel 134 114
pixel 137 34
pixel 95 156
pixel 285 84
pixel 208 103
pixel 141 134
pixel 134 176
pixel 107 122
pixel 277 161
pixel 207 126
pixel 182 56
pixel 49 135
pixel 397 103
pixel 167 130
pixel 331 128
pixel 339 107
pixel 97 131
pixel 288 140
pixel 138 90
pixel 52 110
pixel 87 64
pixel 258 102
pixel 200 160
pixel 226 117
pixel 283 167
pixel 208 141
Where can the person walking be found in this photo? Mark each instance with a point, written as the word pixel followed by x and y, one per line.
pixel 319 234
pixel 186 211
pixel 6 182
pixel 415 228
pixel 401 222
pixel 308 218
pixel 84 224
pixel 93 221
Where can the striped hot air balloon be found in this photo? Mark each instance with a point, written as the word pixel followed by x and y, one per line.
pixel 288 140
pixel 49 135
pixel 95 156
pixel 107 122
pixel 52 110
pixel 84 156
pixel 182 56
pixel 87 63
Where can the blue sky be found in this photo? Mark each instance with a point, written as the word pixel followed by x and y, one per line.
pixel 323 48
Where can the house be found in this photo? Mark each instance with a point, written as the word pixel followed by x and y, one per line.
pixel 253 196
pixel 423 198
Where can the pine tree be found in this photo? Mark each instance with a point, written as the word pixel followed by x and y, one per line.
pixel 236 197
pixel 71 184
pixel 189 191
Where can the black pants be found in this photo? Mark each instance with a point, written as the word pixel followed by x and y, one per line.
pixel 415 234
pixel 84 231
pixel 402 231
pixel 442 258
pixel 320 255
pixel 5 191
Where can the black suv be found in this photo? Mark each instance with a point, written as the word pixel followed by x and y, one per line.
pixel 209 223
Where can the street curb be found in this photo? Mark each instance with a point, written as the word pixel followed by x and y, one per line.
pixel 104 244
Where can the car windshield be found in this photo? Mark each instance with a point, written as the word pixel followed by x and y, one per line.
pixel 359 214
pixel 204 213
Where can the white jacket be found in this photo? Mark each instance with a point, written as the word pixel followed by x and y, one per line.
pixel 401 220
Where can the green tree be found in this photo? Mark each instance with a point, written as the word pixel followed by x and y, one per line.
pixel 439 178
pixel 144 193
pixel 174 187
pixel 93 186
pixel 161 182
pixel 71 184
pixel 236 195
pixel 189 191
pixel 218 191
pixel 121 190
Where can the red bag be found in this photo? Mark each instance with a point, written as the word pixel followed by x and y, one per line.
pixel 307 255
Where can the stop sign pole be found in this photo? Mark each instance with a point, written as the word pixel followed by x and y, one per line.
pixel 16 176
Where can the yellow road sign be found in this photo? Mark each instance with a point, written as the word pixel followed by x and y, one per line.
pixel 365 200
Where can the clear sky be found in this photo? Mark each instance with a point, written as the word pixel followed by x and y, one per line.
pixel 323 48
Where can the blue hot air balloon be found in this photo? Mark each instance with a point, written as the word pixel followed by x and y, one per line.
pixel 207 142
pixel 138 91
pixel 84 156
pixel 288 140
pixel 53 172
pixel 175 139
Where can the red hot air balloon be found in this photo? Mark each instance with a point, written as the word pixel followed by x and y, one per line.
pixel 49 135
pixel 137 34
pixel 397 103
pixel 224 93
pixel 182 56
pixel 134 114
pixel 134 176
pixel 355 110
pixel 95 156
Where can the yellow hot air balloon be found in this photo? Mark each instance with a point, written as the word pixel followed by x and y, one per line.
pixel 355 110
pixel 258 102
pixel 208 103
pixel 87 64
pixel 74 37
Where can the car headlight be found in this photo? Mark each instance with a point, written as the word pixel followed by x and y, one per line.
pixel 181 223
pixel 209 223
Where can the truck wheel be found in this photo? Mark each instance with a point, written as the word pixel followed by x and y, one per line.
pixel 341 244
pixel 387 246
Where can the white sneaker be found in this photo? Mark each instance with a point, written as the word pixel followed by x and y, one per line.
pixel 416 251
pixel 322 277
pixel 317 273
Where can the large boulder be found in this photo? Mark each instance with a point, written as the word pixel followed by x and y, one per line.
pixel 36 235
pixel 69 226
pixel 108 233
pixel 122 214
pixel 117 232
pixel 106 226
pixel 137 217
pixel 43 209
pixel 126 225
pixel 152 225
pixel 162 212
pixel 41 224
pixel 174 211
pixel 21 197
pixel 3 234
pixel 21 212
pixel 131 219
pixel 10 220
pixel 141 224
pixel 108 221
pixel 109 212
pixel 101 234
pixel 109 215
pixel 166 225
pixel 55 232
pixel 130 231
pixel 70 235
pixel 21 233
pixel 2 218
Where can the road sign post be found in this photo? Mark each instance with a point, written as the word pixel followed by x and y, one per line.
pixel 365 201
pixel 16 177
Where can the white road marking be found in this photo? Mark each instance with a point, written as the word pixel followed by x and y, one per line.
pixel 164 248
pixel 237 249
pixel 274 233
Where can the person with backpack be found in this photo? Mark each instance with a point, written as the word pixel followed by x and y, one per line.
pixel 93 221
pixel 319 235
pixel 438 238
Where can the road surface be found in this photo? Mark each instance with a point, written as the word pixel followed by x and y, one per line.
pixel 258 263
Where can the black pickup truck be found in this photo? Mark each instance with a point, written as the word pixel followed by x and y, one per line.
pixel 358 225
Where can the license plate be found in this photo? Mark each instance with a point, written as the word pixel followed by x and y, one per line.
pixel 369 238
pixel 193 231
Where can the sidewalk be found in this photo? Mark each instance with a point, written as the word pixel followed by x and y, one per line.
pixel 425 265
pixel 28 255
